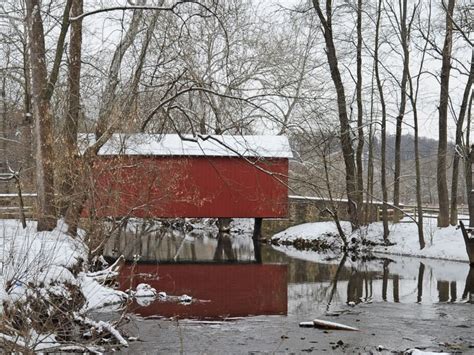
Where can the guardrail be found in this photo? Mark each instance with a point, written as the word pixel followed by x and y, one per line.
pixel 428 212
pixel 10 205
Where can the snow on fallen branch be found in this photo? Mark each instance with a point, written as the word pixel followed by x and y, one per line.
pixel 100 327
pixel 109 274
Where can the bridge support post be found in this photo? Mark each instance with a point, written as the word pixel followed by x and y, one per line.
pixel 257 229
pixel 257 250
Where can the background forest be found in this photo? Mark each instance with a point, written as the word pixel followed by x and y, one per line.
pixel 370 93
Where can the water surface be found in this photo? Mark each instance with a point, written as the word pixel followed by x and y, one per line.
pixel 233 276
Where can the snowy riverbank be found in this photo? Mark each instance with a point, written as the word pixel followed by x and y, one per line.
pixel 46 292
pixel 441 243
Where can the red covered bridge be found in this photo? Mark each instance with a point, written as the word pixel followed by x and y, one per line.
pixel 167 176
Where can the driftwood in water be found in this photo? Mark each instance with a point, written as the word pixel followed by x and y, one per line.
pixel 324 324
pixel 468 241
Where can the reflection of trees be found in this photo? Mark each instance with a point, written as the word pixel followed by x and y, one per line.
pixel 447 291
pixel 168 244
pixel 360 286
pixel 443 290
pixel 396 288
pixel 453 291
pixel 334 281
pixel 469 288
pixel 421 273
pixel 224 249
pixel 355 287
pixel 385 279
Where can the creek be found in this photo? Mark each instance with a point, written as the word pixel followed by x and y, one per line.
pixel 250 298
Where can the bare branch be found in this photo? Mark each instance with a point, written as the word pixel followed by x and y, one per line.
pixel 125 8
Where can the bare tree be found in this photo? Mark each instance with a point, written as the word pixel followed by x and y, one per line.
pixel 459 146
pixel 42 91
pixel 404 31
pixel 443 218
pixel 413 96
pixel 468 165
pixel 114 110
pixel 71 121
pixel 360 112
pixel 383 133
pixel 345 129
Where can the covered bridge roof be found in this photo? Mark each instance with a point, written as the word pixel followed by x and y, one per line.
pixel 188 145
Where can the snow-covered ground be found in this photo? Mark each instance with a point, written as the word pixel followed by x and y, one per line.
pixel 46 266
pixel 45 275
pixel 311 231
pixel 441 243
pixel 29 258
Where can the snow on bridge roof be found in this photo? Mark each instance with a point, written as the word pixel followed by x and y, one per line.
pixel 200 145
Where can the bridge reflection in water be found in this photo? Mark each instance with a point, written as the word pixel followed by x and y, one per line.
pixel 164 245
pixel 238 278
pixel 223 273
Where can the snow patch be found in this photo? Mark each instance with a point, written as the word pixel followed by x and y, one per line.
pixel 311 231
pixel 145 290
pixel 441 243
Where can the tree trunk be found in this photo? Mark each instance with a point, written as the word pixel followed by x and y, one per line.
pixel 70 127
pixel 333 210
pixel 404 33
pixel 28 140
pixel 345 129
pixel 462 113
pixel 383 129
pixel 370 176
pixel 443 198
pixel 109 107
pixel 468 165
pixel 419 204
pixel 360 130
pixel 470 192
pixel 413 95
pixel 108 101
pixel 3 132
pixel 370 159
pixel 43 119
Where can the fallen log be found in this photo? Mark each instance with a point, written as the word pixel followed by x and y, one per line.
pixel 323 324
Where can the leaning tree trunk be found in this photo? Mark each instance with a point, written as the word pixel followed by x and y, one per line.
pixel 344 126
pixel 462 113
pixel 109 96
pixel 443 198
pixel 333 211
